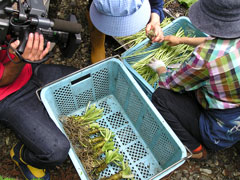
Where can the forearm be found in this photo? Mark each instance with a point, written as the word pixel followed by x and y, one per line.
pixel 155 18
pixel 192 41
pixel 11 72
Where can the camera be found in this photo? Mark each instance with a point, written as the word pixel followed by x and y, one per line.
pixel 19 18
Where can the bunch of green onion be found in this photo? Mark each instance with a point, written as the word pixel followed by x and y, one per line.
pixel 168 54
pixel 133 40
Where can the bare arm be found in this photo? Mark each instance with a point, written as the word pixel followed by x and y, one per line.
pixel 192 41
pixel 11 72
pixel 33 51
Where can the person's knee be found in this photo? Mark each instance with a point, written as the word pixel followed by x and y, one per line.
pixel 158 93
pixel 154 95
pixel 60 151
pixel 47 73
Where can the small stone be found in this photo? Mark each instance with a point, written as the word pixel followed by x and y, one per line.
pixel 190 178
pixel 225 172
pixel 236 174
pixel 7 141
pixel 185 172
pixel 177 14
pixel 205 177
pixel 178 175
pixel 207 171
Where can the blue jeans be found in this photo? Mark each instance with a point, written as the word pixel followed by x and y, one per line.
pixel 45 145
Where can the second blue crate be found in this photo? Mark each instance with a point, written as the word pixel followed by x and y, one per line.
pixel 182 22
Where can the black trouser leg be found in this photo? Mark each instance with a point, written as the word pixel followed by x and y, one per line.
pixel 182 112
pixel 45 145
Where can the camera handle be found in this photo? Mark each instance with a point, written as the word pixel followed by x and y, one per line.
pixel 23 37
pixel 23 41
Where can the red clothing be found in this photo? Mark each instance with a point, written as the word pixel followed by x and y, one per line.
pixel 21 80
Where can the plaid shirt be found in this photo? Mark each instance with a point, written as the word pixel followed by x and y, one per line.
pixel 213 71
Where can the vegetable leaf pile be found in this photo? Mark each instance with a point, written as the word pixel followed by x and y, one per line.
pixel 188 3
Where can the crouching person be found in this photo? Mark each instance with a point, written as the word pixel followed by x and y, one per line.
pixel 201 100
pixel 42 145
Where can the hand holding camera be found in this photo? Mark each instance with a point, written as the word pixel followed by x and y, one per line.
pixel 31 17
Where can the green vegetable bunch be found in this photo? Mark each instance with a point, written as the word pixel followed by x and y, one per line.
pixel 188 3
pixel 133 40
pixel 6 178
pixel 168 54
pixel 94 144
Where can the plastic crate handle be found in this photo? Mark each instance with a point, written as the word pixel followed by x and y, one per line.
pixel 176 163
pixel 38 91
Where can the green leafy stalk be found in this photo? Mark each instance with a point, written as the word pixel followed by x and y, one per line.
pixel 188 3
pixel 6 178
pixel 135 39
pixel 106 133
pixel 91 115
pixel 106 147
pixel 111 157
pixel 107 136
pixel 168 54
pixel 96 139
pixel 125 173
pixel 93 131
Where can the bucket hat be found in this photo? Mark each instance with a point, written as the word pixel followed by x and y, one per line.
pixel 218 18
pixel 120 17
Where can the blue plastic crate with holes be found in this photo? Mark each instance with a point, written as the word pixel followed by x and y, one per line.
pixel 172 28
pixel 144 138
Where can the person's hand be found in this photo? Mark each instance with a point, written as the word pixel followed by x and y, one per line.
pixel 14 45
pixel 155 64
pixel 172 40
pixel 154 25
pixel 34 49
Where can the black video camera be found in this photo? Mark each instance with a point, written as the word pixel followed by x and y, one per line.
pixel 31 16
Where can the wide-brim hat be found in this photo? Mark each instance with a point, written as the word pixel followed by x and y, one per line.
pixel 218 18
pixel 120 17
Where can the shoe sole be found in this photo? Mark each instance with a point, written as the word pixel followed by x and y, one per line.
pixel 12 154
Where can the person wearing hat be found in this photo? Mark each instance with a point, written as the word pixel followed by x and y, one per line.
pixel 201 99
pixel 122 18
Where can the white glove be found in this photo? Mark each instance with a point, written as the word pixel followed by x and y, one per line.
pixel 155 64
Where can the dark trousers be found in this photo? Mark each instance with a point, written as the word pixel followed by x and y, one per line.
pixel 182 113
pixel 89 3
pixel 45 145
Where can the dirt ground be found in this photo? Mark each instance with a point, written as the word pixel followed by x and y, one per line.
pixel 222 165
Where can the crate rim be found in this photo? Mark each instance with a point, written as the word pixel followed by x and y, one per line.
pixel 144 83
pixel 72 154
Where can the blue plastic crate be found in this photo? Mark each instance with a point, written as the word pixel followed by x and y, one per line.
pixel 142 135
pixel 172 28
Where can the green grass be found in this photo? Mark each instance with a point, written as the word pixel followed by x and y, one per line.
pixel 7 178
pixel 2 178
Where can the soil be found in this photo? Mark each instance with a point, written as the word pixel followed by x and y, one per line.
pixel 175 9
pixel 221 165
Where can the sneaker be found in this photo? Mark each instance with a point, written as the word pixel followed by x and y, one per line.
pixel 29 172
pixel 201 155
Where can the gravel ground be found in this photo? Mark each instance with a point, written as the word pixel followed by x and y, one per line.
pixel 221 165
